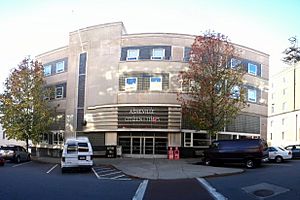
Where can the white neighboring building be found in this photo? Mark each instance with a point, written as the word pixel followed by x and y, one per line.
pixel 284 107
pixel 5 141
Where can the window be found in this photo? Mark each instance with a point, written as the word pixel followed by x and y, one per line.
pixel 234 63
pixel 188 139
pixel 155 83
pixel 83 147
pixel 60 67
pixel 273 109
pixel 133 54
pixel 47 70
pixel 59 91
pixel 251 95
pixel 282 121
pixel 283 80
pixel 131 84
pixel 158 54
pixel 235 92
pixel 284 91
pixel 271 136
pixel 272 96
pixel 283 106
pixel 72 148
pixel 282 135
pixel 271 123
pixel 252 69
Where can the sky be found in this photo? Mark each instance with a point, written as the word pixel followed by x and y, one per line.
pixel 32 27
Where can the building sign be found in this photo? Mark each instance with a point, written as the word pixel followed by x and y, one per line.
pixel 143 117
pixel 131 84
pixel 156 83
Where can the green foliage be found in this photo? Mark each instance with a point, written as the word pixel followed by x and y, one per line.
pixel 214 91
pixel 24 108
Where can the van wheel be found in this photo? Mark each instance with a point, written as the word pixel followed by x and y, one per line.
pixel 63 170
pixel 278 159
pixel 250 163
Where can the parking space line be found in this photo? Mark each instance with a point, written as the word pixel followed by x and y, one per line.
pixel 122 175
pixel 21 164
pixel 95 173
pixel 139 194
pixel 104 171
pixel 51 169
pixel 110 174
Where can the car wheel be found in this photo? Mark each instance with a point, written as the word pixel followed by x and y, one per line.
pixel 18 160
pixel 207 161
pixel 278 159
pixel 250 163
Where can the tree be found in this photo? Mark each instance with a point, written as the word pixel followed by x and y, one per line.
pixel 213 92
pixel 25 111
pixel 292 53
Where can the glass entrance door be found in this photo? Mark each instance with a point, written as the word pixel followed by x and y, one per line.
pixel 149 145
pixel 136 146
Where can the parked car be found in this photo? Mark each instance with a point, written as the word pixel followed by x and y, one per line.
pixel 14 153
pixel 2 161
pixel 295 150
pixel 251 152
pixel 279 154
pixel 77 153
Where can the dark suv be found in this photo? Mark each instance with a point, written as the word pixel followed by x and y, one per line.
pixel 251 152
pixel 14 153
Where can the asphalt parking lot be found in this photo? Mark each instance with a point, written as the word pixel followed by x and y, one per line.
pixel 35 180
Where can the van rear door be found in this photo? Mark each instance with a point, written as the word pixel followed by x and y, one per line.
pixel 71 156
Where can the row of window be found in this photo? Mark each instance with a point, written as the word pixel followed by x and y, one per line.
pixel 55 67
pixel 283 107
pixel 57 91
pixel 144 82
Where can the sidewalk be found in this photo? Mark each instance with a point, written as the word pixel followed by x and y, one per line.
pixel 157 168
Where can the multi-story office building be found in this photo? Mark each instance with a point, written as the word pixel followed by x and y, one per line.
pixel 121 89
pixel 284 109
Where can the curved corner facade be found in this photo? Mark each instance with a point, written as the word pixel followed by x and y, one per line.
pixel 121 89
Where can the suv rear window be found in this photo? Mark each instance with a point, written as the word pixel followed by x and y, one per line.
pixel 83 147
pixel 72 148
pixel 9 148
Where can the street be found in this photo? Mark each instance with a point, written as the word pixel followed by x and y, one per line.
pixel 35 180
pixel 282 180
pixel 31 181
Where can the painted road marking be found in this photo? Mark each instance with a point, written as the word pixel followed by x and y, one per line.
pixel 211 189
pixel 118 172
pixel 139 194
pixel 110 173
pixel 51 169
pixel 95 173
pixel 21 164
pixel 104 171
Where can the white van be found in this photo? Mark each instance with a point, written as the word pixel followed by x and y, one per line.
pixel 77 153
